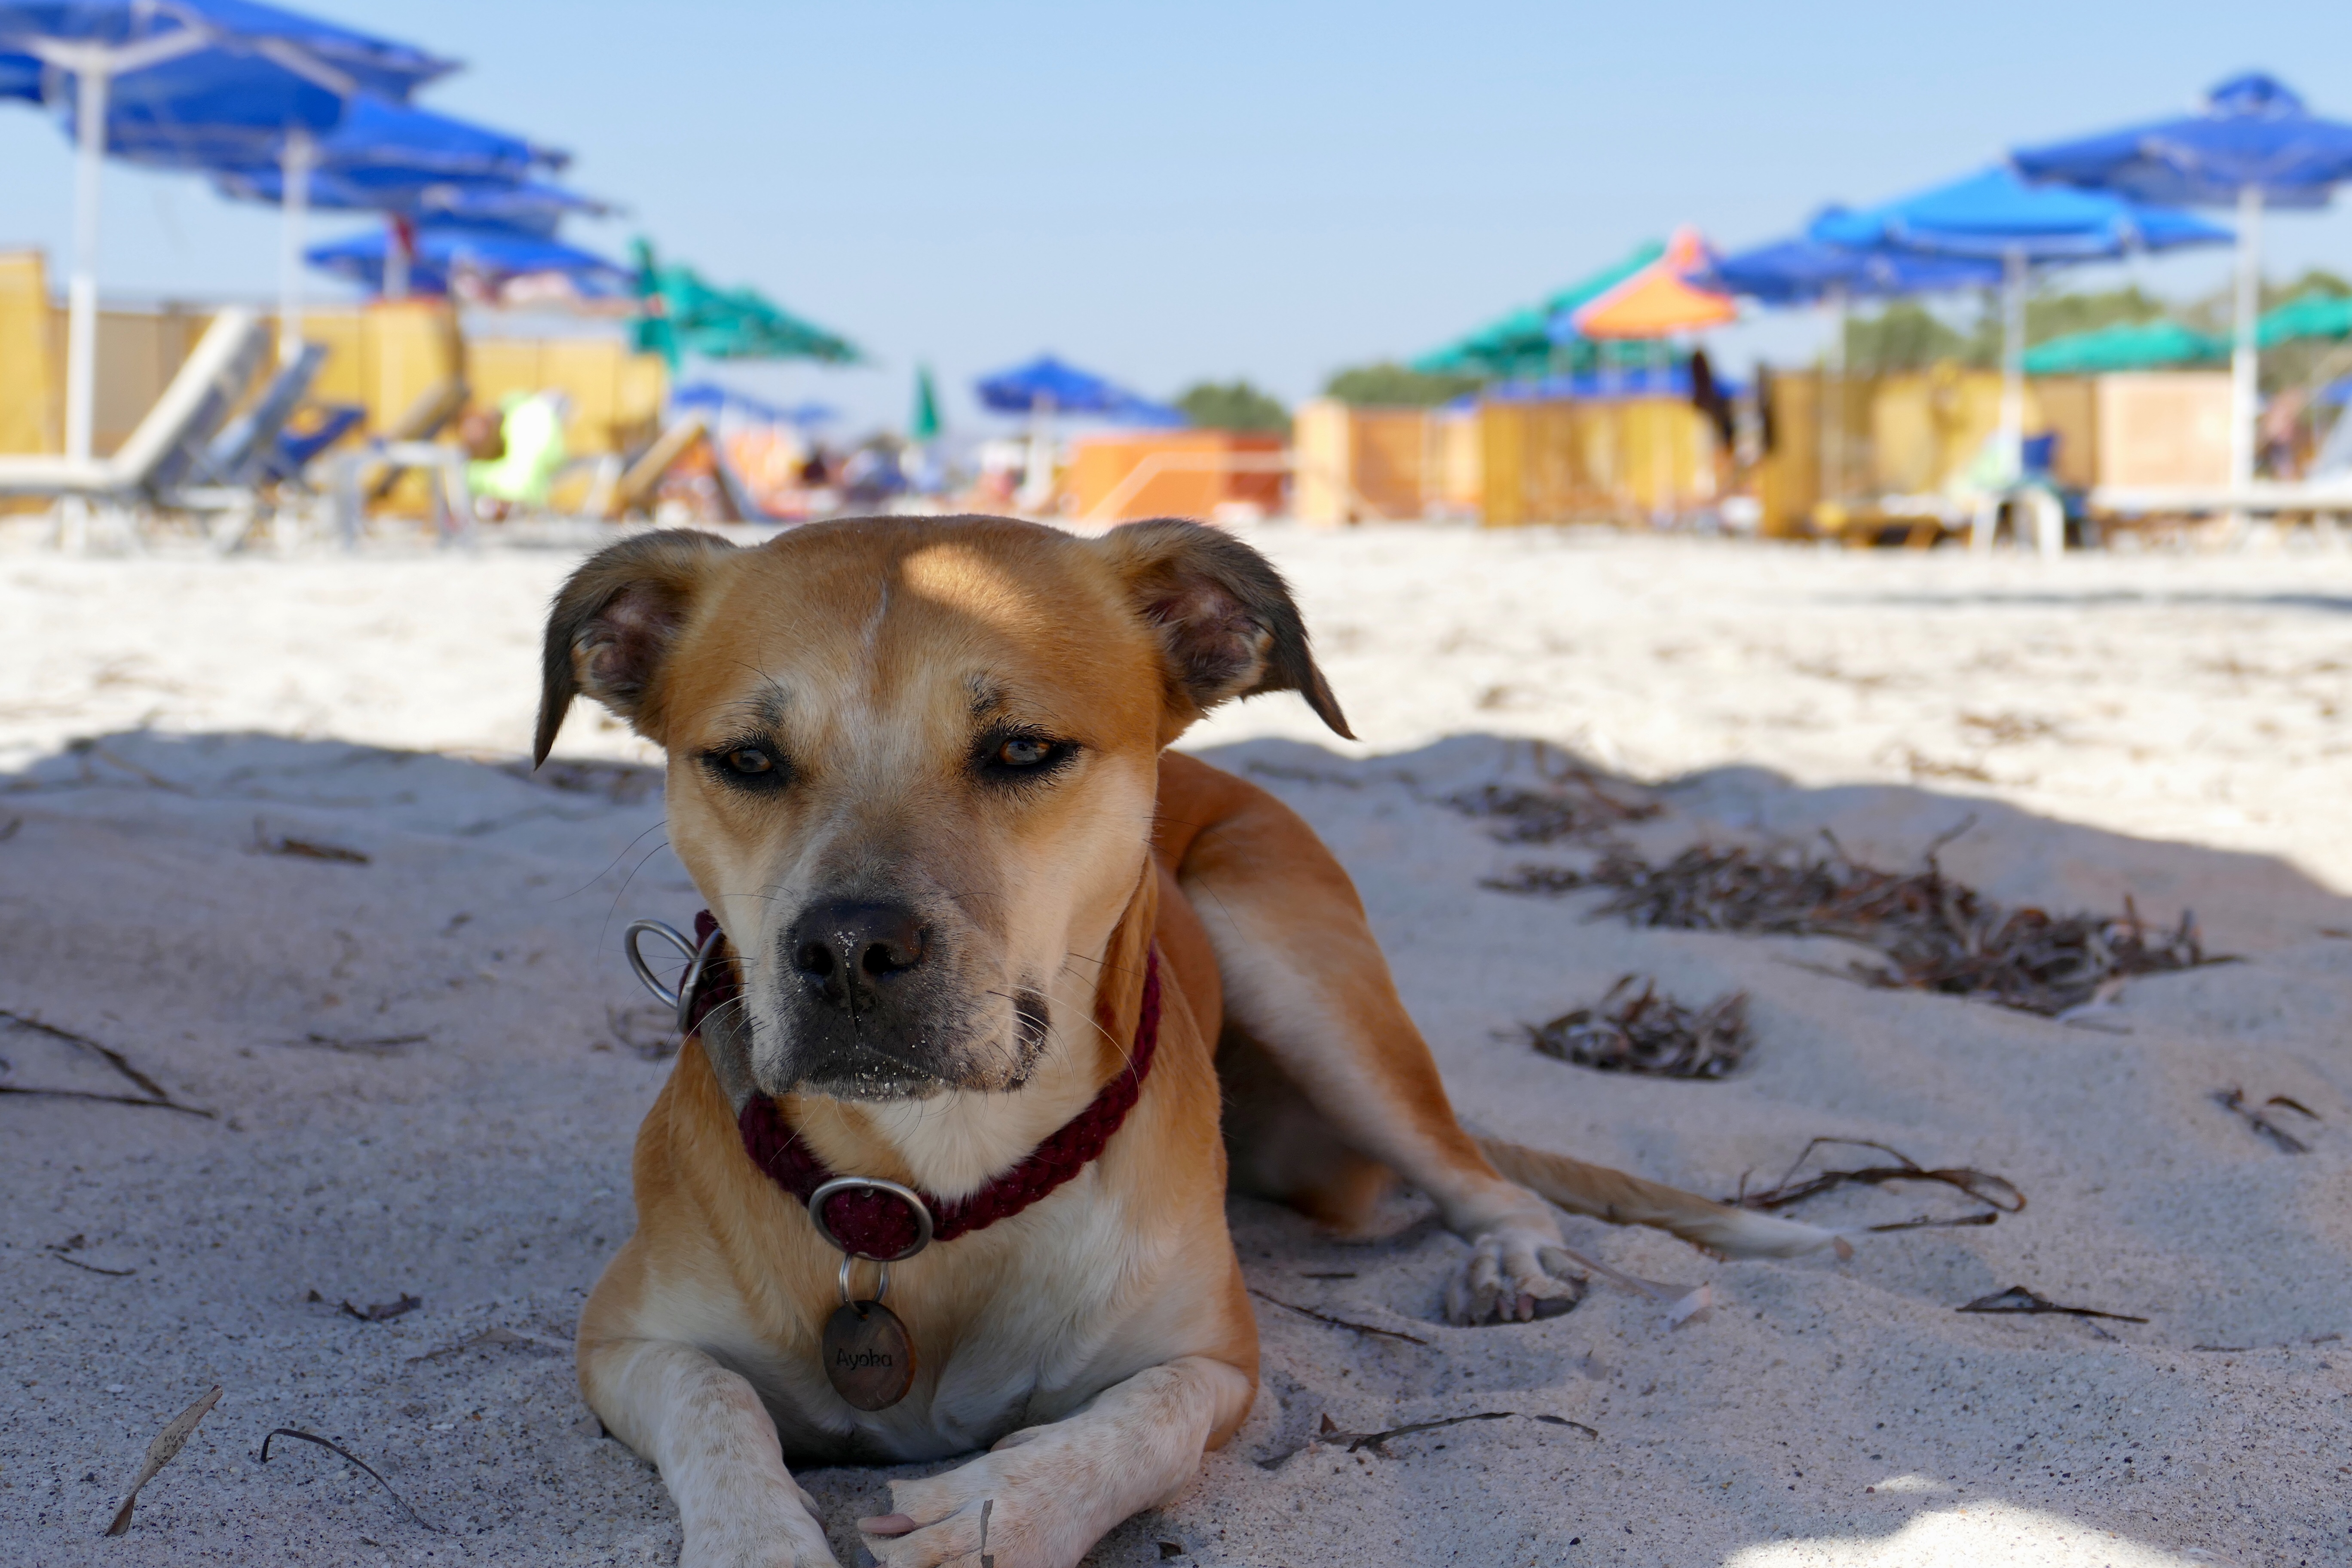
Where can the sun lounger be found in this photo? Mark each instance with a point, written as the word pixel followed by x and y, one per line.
pixel 241 454
pixel 407 444
pixel 634 489
pixel 167 448
pixel 231 471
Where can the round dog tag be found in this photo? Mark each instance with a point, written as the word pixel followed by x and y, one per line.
pixel 869 1358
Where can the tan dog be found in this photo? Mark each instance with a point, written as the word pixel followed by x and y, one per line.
pixel 917 770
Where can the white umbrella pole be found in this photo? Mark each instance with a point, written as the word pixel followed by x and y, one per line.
pixel 395 259
pixel 81 288
pixel 2012 362
pixel 1832 484
pixel 295 167
pixel 2245 362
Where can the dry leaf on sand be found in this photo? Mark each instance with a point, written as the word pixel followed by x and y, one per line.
pixel 160 1452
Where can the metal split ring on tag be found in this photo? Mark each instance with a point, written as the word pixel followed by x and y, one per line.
pixel 697 956
pixel 869 1356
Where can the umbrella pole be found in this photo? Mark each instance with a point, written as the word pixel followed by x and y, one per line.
pixel 2245 361
pixel 81 289
pixel 295 166
pixel 2012 365
pixel 395 257
pixel 1832 484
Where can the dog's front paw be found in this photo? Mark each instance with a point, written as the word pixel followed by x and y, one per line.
pixel 1510 1274
pixel 784 1533
pixel 1032 1504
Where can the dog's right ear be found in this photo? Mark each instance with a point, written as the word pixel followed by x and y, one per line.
pixel 612 624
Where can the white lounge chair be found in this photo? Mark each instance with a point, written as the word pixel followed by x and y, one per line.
pixel 164 451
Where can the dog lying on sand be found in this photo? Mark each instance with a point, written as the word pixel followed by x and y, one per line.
pixel 998 998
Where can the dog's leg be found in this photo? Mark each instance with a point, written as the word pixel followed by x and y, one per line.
pixel 1306 984
pixel 716 1447
pixel 1050 1492
pixel 1303 979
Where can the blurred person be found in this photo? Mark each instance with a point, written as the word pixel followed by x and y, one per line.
pixel 531 432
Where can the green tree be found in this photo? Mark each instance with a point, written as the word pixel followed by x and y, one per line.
pixel 1901 335
pixel 1231 405
pixel 2062 315
pixel 1389 385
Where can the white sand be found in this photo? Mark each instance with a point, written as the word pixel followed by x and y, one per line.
pixel 1828 1413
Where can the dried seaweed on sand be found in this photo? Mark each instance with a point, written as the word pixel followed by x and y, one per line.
pixel 1645 1032
pixel 2019 1300
pixel 151 1092
pixel 1936 933
pixel 1337 1322
pixel 414 1517
pixel 1377 1442
pixel 1576 806
pixel 1998 1194
pixel 2258 1117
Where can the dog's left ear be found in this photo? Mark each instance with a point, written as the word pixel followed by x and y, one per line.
pixel 1224 618
pixel 611 625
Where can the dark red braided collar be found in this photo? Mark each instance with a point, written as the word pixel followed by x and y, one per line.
pixel 877 1224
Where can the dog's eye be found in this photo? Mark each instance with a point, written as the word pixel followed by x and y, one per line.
pixel 746 767
pixel 1019 758
pixel 1023 752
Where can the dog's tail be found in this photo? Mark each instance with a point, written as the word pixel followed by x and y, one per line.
pixel 1621 1199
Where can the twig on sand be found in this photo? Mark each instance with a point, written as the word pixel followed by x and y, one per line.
pixel 1648 1032
pixel 493 1335
pixel 2235 1099
pixel 1928 1222
pixel 381 1312
pixel 155 1093
pixel 367 1047
pixel 1996 1192
pixel 1337 1322
pixel 87 746
pixel 303 848
pixel 105 1099
pixel 160 1453
pixel 58 1253
pixel 2018 1298
pixel 355 1458
pixel 1378 1441
pixel 1937 935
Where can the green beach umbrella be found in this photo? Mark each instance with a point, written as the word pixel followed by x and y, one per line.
pixel 1521 343
pixel 923 424
pixel 685 314
pixel 2308 315
pixel 2126 345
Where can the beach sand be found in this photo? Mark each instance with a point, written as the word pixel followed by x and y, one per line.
pixel 423 1071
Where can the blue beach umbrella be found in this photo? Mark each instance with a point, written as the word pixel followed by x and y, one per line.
pixel 1996 216
pixel 421 197
pixel 407 162
pixel 2251 144
pixel 255 72
pixel 1046 387
pixel 496 255
pixel 1803 272
pixel 20 77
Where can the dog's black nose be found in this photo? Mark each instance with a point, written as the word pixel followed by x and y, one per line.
pixel 843 951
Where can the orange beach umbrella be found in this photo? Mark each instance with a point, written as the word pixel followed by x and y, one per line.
pixel 1660 299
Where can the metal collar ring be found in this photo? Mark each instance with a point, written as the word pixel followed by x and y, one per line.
pixel 907 1195
pixel 696 955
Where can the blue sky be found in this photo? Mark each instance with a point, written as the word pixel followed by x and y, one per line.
pixel 1168 191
